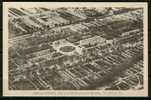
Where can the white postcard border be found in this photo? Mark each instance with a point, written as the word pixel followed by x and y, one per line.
pixel 102 93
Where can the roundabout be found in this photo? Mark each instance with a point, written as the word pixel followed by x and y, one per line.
pixel 66 47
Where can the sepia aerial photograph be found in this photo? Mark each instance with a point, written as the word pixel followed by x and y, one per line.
pixel 75 48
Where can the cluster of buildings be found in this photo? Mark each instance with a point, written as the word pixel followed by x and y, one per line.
pixel 74 48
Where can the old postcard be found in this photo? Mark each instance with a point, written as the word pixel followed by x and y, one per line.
pixel 75 49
